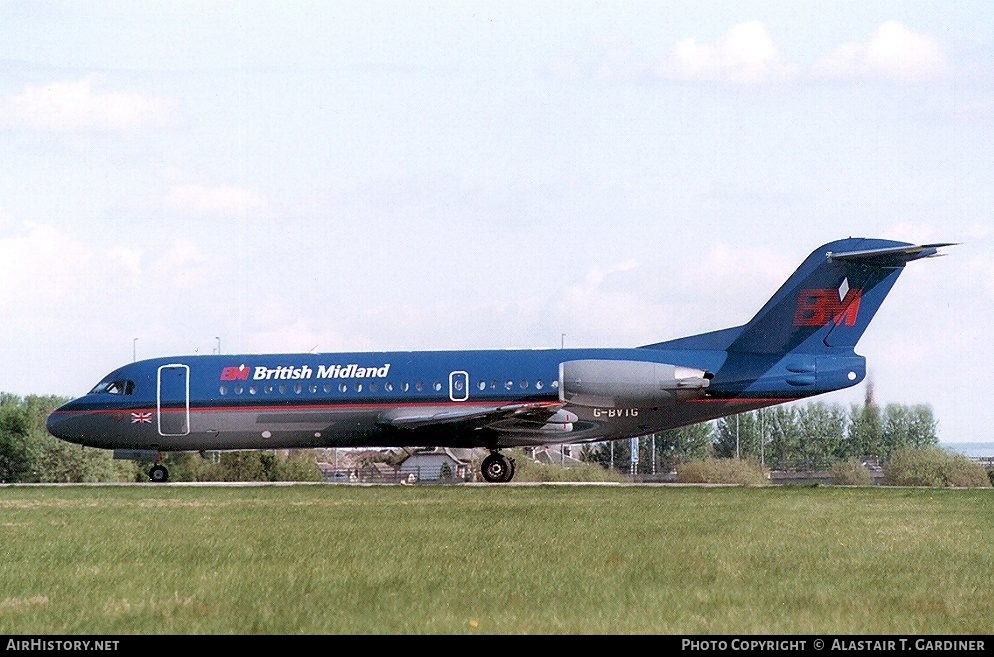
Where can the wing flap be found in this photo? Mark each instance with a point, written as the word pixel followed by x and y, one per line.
pixel 474 416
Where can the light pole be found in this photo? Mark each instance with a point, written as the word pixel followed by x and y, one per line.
pixel 134 350
pixel 218 345
pixel 762 439
pixel 736 436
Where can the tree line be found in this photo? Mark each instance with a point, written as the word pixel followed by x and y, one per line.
pixel 788 437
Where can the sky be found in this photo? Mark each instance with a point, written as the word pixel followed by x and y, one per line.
pixel 288 176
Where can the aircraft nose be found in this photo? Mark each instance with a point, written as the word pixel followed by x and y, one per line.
pixel 52 423
pixel 60 424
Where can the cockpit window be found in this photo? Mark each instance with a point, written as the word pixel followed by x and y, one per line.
pixel 116 387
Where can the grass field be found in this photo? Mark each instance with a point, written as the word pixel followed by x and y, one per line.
pixel 463 559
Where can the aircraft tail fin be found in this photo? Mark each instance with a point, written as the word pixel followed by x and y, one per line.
pixel 827 303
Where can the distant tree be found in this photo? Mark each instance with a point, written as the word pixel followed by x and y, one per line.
pixel 908 427
pixel 866 436
pixel 723 471
pixel 608 452
pixel 445 472
pixel 851 472
pixel 298 465
pixel 933 466
pixel 822 440
pixel 187 466
pixel 60 461
pixel 17 451
pixel 242 466
pixel 737 436
pixel 962 472
pixel 527 469
pixel 783 436
pixel 28 453
pixel 684 444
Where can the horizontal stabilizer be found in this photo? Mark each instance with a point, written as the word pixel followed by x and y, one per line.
pixel 892 256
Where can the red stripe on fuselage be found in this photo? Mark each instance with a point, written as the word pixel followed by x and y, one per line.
pixel 306 407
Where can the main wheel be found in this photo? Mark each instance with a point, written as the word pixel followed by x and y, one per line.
pixel 497 468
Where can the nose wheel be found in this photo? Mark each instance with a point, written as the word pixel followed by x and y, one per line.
pixel 498 468
pixel 158 472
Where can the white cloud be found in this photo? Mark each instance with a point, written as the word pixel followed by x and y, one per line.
pixel 297 336
pixel 981 269
pixel 127 259
pixel 76 107
pixel 184 265
pixel 200 200
pixel 39 264
pixel 893 52
pixel 601 303
pixel 915 233
pixel 745 54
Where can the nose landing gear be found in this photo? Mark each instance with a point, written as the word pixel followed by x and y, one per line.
pixel 158 472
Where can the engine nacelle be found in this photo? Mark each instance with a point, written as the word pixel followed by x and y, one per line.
pixel 628 383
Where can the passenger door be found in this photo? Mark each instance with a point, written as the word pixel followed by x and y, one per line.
pixel 173 400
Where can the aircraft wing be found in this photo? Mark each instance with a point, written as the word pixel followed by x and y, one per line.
pixel 504 416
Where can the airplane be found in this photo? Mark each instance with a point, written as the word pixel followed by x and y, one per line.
pixel 800 344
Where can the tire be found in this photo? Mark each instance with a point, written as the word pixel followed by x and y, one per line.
pixel 158 474
pixel 497 468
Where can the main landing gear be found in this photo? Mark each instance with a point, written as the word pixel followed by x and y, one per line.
pixel 498 468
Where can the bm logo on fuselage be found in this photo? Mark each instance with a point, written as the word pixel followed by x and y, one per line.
pixel 286 372
pixel 818 307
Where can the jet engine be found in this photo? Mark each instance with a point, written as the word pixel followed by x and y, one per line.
pixel 628 383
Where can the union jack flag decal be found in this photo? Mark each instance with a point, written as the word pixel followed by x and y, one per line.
pixel 141 417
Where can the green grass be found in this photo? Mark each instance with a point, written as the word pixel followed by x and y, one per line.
pixel 550 559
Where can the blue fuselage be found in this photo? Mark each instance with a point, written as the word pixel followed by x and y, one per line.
pixel 457 398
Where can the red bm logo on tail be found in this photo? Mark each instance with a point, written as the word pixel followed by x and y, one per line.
pixel 816 307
